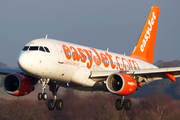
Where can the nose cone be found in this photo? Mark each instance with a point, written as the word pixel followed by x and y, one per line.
pixel 25 61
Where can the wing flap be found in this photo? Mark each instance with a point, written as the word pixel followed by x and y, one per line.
pixel 174 70
pixel 149 75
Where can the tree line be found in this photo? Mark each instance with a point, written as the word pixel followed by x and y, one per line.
pixel 158 106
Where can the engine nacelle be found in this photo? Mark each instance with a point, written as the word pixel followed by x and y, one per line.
pixel 121 84
pixel 17 85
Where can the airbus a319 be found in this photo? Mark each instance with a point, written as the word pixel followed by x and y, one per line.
pixel 57 63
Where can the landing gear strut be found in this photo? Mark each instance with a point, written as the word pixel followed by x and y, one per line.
pixel 52 103
pixel 120 103
pixel 43 95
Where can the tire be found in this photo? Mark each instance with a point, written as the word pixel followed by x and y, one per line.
pixel 59 105
pixel 51 105
pixel 118 104
pixel 127 104
pixel 44 96
pixel 39 96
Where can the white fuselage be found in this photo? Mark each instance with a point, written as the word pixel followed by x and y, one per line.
pixel 71 64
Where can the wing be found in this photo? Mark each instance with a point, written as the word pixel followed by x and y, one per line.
pixel 144 76
pixel 5 71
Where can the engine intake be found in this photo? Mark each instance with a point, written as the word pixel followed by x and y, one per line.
pixel 121 84
pixel 17 85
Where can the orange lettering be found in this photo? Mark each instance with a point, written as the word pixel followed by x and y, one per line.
pixel 89 54
pixel 111 61
pixel 132 62
pixel 104 60
pixel 74 54
pixel 96 60
pixel 124 60
pixel 83 57
pixel 118 63
pixel 67 52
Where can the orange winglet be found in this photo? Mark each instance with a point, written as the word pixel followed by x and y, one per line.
pixel 144 49
pixel 171 77
pixel 140 85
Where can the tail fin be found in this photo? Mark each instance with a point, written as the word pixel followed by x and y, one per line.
pixel 144 49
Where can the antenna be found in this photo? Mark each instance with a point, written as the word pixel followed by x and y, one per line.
pixel 46 36
pixel 107 50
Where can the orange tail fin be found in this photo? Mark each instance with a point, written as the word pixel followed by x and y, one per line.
pixel 144 49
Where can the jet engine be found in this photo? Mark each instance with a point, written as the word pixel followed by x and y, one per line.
pixel 17 84
pixel 121 84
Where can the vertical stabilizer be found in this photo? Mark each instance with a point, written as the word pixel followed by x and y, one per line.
pixel 144 49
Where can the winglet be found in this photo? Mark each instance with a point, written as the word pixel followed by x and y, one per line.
pixel 144 49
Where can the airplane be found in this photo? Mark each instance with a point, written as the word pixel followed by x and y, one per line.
pixel 57 63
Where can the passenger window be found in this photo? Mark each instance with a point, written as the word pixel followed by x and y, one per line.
pixel 33 48
pixel 41 49
pixel 25 48
pixel 47 50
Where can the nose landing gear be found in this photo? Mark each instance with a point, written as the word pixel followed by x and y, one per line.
pixel 43 95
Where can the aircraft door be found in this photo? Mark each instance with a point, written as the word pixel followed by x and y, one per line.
pixel 60 53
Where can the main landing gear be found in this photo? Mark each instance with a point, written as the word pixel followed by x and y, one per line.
pixel 120 103
pixel 52 103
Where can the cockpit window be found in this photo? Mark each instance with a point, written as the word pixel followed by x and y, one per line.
pixel 25 48
pixel 36 48
pixel 47 50
pixel 33 48
pixel 41 49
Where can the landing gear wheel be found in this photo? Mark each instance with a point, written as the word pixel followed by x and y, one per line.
pixel 54 102
pixel 39 96
pixel 127 104
pixel 59 104
pixel 51 104
pixel 44 96
pixel 118 104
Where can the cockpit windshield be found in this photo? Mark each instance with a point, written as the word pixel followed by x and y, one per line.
pixel 25 48
pixel 41 49
pixel 36 48
pixel 33 48
pixel 47 50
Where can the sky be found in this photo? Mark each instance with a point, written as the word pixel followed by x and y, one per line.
pixel 102 24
